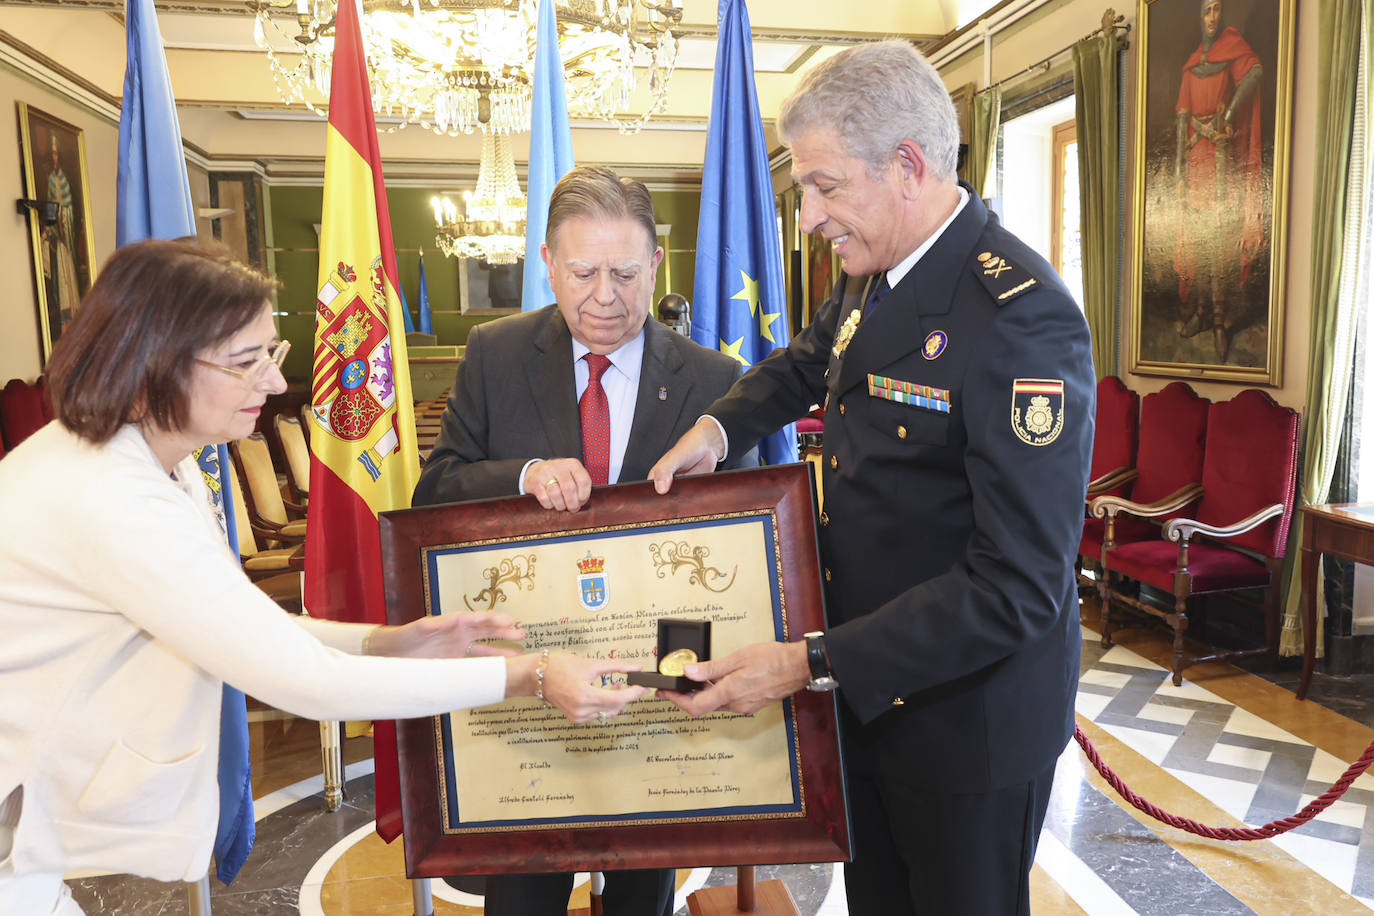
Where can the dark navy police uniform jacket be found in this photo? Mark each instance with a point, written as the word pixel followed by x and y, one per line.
pixel 958 434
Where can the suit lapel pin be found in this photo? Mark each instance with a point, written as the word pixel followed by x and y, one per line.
pixel 662 393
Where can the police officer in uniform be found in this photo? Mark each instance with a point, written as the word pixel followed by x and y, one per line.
pixel 958 379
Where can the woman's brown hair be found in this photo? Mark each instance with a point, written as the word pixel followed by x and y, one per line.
pixel 155 306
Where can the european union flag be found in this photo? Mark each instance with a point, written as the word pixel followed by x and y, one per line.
pixel 426 319
pixel 739 307
pixel 551 155
pixel 153 200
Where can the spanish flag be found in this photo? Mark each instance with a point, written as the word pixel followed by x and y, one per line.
pixel 364 457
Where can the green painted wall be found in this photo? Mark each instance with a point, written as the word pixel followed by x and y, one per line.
pixel 294 211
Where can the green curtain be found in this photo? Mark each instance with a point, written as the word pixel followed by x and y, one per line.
pixel 1330 348
pixel 1096 72
pixel 982 141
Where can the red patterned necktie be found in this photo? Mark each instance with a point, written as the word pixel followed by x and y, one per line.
pixel 596 421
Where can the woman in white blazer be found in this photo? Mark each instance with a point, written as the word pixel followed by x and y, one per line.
pixel 123 612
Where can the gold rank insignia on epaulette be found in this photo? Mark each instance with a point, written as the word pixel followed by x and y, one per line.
pixel 1003 279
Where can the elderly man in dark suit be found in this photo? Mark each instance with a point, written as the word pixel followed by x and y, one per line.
pixel 959 384
pixel 579 393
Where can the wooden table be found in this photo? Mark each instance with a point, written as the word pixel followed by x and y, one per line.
pixel 1346 531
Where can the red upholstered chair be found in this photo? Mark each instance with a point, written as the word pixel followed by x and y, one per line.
pixel 23 411
pixel 1238 537
pixel 1115 433
pixel 1114 439
pixel 1167 477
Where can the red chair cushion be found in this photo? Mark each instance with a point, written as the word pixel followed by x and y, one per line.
pixel 1114 436
pixel 1252 459
pixel 1213 568
pixel 810 425
pixel 1173 428
pixel 21 411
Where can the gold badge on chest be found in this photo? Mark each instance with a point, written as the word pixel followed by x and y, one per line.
pixel 846 332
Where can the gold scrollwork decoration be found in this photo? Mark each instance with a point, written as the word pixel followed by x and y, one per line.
pixel 513 571
pixel 675 555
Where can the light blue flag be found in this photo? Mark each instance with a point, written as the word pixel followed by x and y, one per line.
pixel 426 321
pixel 551 154
pixel 405 306
pixel 153 200
pixel 739 306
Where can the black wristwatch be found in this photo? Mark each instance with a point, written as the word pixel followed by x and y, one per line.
pixel 819 663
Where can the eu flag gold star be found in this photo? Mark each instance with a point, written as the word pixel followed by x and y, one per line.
pixel 766 320
pixel 732 350
pixel 749 293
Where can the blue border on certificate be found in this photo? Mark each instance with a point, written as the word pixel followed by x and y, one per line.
pixel 765 521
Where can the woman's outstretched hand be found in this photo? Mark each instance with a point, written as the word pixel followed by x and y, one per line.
pixel 448 636
pixel 578 687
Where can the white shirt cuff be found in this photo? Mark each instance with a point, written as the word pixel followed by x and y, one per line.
pixel 520 484
pixel 723 438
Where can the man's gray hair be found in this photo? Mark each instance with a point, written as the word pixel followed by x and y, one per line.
pixel 595 192
pixel 874 96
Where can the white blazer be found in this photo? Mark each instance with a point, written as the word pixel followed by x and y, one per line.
pixel 122 614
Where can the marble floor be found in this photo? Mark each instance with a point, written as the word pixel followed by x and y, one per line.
pixel 1227 748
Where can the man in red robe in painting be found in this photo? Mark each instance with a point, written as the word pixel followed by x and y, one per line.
pixel 1220 175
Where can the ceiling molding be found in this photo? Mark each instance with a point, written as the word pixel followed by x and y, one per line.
pixel 36 66
pixel 972 36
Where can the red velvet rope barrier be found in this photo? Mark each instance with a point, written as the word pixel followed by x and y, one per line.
pixel 1271 829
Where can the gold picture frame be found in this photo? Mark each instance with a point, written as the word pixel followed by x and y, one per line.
pixel 1211 190
pixel 61 239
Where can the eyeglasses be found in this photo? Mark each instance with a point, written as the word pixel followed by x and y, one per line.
pixel 258 368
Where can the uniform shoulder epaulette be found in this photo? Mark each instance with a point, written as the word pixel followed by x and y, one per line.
pixel 1003 279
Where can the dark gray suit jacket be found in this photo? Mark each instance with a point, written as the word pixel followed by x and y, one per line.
pixel 515 399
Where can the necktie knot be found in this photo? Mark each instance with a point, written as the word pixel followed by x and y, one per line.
pixel 597 364
pixel 876 291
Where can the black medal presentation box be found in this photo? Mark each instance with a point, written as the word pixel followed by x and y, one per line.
pixel 723 561
pixel 679 642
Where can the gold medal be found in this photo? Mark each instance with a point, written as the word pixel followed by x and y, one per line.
pixel 672 663
pixel 847 330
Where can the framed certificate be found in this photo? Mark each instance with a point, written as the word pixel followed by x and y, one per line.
pixel 516 787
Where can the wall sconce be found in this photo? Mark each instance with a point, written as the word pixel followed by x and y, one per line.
pixel 46 209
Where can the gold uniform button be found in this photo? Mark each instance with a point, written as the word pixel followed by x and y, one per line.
pixel 901 432
pixel 834 463
pixel 841 410
pixel 825 520
pixel 827 574
pixel 898 701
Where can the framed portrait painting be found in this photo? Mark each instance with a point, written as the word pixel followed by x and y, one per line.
pixel 62 242
pixel 1214 108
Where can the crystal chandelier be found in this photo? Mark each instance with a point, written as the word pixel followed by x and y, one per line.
pixel 491 224
pixel 438 63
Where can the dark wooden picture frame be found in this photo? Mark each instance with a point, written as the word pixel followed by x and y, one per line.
pixel 62 241
pixel 814 828
pixel 1211 210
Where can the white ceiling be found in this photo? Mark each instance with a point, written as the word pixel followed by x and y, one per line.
pixel 229 107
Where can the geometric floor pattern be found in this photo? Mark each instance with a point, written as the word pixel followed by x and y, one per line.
pixel 1227 748
pixel 1249 768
